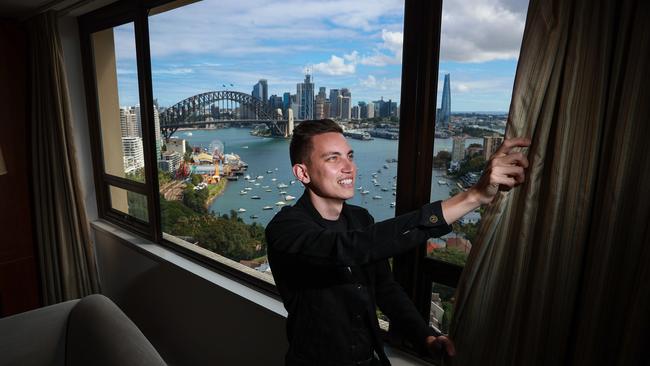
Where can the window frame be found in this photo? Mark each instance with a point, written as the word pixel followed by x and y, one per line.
pixel 422 31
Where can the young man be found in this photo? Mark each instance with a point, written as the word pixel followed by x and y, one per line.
pixel 330 259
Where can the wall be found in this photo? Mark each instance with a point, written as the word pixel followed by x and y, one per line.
pixel 191 321
pixel 19 288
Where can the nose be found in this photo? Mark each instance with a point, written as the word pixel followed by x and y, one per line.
pixel 348 166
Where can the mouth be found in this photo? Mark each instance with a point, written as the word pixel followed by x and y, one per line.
pixel 345 182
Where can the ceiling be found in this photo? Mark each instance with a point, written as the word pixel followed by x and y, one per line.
pixel 21 9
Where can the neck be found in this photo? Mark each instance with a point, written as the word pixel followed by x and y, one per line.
pixel 328 208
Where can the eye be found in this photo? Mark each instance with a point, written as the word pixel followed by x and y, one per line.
pixel 332 158
pixel 351 156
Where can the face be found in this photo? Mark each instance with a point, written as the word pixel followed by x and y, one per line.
pixel 330 172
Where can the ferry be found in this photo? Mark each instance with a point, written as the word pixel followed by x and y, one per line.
pixel 267 208
pixel 241 210
pixel 289 197
pixel 255 197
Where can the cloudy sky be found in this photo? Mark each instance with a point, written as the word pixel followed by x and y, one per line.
pixel 355 44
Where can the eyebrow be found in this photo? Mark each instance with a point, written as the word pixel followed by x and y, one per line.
pixel 330 153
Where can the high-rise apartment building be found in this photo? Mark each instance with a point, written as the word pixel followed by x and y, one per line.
pixel 445 108
pixel 371 110
pixel 458 149
pixel 354 114
pixel 261 91
pixel 491 144
pixel 305 98
pixel 345 105
pixel 133 153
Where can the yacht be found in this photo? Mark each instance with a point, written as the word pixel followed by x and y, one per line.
pixel 260 177
pixel 274 179
pixel 392 204
pixel 254 217
pixel 280 203
pixel 365 191
pixel 289 197
pixel 269 171
pixel 282 185
pixel 283 192
pixel 267 208
pixel 241 210
pixel 442 182
pixel 255 197
pixel 376 197
pixel 243 192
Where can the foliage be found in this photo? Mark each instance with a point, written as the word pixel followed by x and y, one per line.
pixel 196 179
pixel 475 164
pixel 136 175
pixel 171 212
pixel 468 230
pixel 195 200
pixel 450 255
pixel 164 177
pixel 226 235
pixel 476 132
pixel 442 160
pixel 137 205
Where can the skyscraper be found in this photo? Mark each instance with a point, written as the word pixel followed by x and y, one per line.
pixel 458 149
pixel 445 108
pixel 305 98
pixel 335 110
pixel 261 91
pixel 491 144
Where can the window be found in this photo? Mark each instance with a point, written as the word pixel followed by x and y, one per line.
pixel 480 44
pixel 192 102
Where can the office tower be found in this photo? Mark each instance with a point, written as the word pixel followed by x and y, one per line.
pixel 319 105
pixel 321 93
pixel 445 108
pixel 276 102
pixel 286 102
pixel 261 91
pixel 363 110
pixel 305 98
pixel 335 110
pixel 371 110
pixel 354 114
pixel 345 105
pixel 458 149
pixel 491 144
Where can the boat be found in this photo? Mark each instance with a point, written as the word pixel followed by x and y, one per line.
pixel 385 166
pixel 392 204
pixel 376 197
pixel 248 188
pixel 283 192
pixel 257 184
pixel 280 203
pixel 241 210
pixel 292 182
pixel 268 190
pixel 282 185
pixel 255 197
pixel 383 189
pixel 254 217
pixel 260 177
pixel 289 197
pixel 247 177
pixel 274 179
pixel 365 192
pixel 243 192
pixel 245 147
pixel 267 208
pixel 442 182
pixel 189 134
pixel 265 187
pixel 377 184
pixel 269 171
pixel 360 188
pixel 232 177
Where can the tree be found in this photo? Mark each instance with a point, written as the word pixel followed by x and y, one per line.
pixel 442 160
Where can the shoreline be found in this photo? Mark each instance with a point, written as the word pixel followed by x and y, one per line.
pixel 213 195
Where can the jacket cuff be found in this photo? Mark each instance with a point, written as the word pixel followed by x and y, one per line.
pixel 431 219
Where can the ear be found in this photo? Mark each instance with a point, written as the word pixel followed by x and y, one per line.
pixel 300 171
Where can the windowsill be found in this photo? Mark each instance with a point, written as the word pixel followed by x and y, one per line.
pixel 161 253
pixel 169 256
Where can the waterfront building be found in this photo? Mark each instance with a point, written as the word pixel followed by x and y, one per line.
pixel 133 154
pixel 177 145
pixel 458 149
pixel 445 108
pixel 491 144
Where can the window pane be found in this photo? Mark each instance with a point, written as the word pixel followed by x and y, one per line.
pixel 442 306
pixel 131 203
pixel 478 60
pixel 118 102
pixel 228 104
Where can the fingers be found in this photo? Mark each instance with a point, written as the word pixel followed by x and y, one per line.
pixel 448 345
pixel 509 144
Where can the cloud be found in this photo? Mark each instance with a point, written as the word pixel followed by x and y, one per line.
pixel 173 71
pixel 335 66
pixel 482 30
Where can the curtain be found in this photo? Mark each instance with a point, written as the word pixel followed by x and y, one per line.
pixel 560 274
pixel 66 255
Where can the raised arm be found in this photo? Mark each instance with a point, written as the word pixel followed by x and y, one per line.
pixel 505 170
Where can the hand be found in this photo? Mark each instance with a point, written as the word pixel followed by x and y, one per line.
pixel 505 170
pixel 437 344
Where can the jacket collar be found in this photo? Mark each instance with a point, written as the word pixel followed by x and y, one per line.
pixel 305 202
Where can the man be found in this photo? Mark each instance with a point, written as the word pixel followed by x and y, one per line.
pixel 330 260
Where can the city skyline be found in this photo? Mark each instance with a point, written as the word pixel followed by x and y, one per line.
pixel 343 45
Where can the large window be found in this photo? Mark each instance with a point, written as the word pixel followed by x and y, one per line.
pixel 479 46
pixel 193 104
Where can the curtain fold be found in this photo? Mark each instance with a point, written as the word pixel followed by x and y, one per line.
pixel 66 254
pixel 559 273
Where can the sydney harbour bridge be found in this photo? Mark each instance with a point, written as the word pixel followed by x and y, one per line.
pixel 221 107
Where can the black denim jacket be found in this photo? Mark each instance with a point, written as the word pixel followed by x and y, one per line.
pixel 332 282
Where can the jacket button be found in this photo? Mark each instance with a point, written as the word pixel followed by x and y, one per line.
pixel 358 287
pixel 433 219
pixel 357 317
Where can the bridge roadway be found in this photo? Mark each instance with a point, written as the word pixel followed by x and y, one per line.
pixel 277 126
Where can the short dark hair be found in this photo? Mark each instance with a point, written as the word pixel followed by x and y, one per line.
pixel 301 142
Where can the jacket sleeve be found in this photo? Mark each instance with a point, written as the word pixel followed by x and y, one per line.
pixel 294 237
pixel 404 318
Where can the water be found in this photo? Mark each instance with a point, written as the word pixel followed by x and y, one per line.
pixel 264 154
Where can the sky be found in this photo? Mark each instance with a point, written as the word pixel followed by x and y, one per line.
pixel 343 44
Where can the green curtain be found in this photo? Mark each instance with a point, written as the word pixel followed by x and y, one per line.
pixel 559 275
pixel 66 256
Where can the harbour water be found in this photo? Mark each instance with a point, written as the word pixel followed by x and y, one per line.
pixel 269 158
